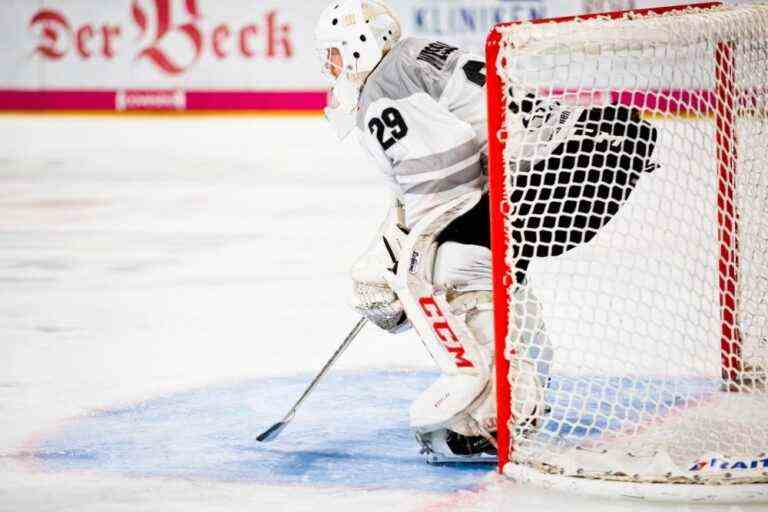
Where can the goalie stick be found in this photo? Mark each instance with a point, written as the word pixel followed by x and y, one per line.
pixel 272 432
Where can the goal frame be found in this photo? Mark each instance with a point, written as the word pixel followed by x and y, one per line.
pixel 728 261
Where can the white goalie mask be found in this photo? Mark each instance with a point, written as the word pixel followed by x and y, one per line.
pixel 352 36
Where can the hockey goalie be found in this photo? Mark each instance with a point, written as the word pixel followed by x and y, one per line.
pixel 418 109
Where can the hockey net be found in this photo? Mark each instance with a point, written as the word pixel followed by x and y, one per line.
pixel 658 312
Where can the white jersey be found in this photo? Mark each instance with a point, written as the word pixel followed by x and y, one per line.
pixel 422 118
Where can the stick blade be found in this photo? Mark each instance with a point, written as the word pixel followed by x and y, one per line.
pixel 272 432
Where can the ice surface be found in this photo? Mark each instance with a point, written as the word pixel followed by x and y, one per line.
pixel 209 434
pixel 152 259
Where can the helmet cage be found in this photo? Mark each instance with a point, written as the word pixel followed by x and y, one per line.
pixel 361 31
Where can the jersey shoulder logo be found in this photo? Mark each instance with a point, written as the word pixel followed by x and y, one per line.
pixel 436 54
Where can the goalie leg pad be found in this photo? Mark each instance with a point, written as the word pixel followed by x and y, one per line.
pixel 444 404
pixel 445 292
pixel 530 353
pixel 466 404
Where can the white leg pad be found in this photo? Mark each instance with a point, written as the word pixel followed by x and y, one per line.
pixel 463 403
pixel 447 296
pixel 444 403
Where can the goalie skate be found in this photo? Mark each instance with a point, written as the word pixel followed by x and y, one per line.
pixel 447 447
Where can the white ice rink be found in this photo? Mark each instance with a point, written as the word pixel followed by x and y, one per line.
pixel 141 257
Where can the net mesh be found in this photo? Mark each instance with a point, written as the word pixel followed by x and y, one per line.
pixel 635 155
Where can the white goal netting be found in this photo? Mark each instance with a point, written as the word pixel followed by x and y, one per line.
pixel 634 151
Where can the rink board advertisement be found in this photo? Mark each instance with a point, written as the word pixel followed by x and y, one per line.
pixel 204 55
pixel 159 54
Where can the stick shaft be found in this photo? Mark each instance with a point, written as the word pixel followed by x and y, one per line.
pixel 351 336
pixel 274 431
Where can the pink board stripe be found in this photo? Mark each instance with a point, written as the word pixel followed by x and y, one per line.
pixel 56 100
pixel 101 100
pixel 672 101
pixel 245 100
pixel 678 101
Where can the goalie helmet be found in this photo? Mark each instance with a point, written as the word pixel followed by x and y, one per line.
pixel 352 36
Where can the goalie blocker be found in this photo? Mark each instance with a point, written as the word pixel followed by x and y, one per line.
pixel 572 185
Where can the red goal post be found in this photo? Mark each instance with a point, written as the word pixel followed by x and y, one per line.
pixel 503 277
